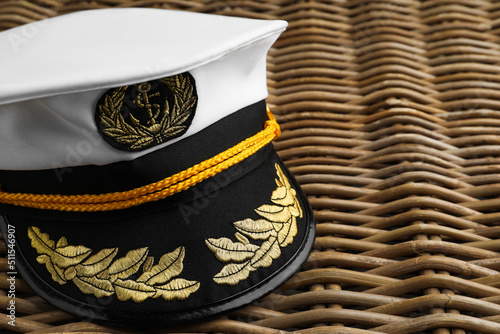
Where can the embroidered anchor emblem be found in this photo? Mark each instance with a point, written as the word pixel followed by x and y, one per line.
pixel 143 102
pixel 161 110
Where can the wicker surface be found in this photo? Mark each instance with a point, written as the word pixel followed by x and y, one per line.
pixel 391 123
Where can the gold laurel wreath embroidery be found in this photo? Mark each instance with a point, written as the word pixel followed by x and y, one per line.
pixel 277 230
pixel 100 276
pixel 165 123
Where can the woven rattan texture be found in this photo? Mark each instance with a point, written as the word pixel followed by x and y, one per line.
pixel 391 123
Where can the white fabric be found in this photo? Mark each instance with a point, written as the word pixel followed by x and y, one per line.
pixel 50 84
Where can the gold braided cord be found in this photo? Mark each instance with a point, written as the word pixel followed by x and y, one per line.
pixel 154 191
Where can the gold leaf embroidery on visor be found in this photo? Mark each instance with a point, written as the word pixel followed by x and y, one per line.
pixel 277 230
pixel 102 276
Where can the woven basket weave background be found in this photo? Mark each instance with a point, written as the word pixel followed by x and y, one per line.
pixel 390 112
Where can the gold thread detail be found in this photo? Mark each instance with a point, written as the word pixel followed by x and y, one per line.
pixel 163 122
pixel 154 191
pixel 103 276
pixel 277 230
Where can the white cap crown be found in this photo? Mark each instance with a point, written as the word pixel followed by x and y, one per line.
pixel 50 84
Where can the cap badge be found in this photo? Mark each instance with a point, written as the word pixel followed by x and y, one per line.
pixel 137 117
